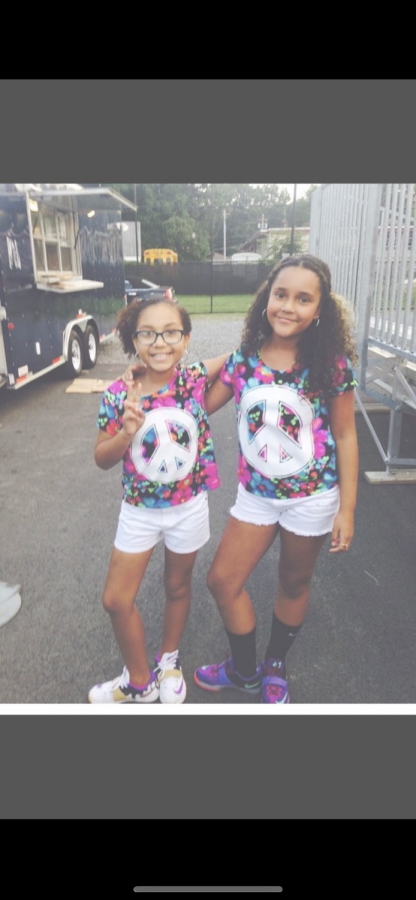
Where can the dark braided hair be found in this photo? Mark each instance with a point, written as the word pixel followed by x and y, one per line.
pixel 128 318
pixel 318 348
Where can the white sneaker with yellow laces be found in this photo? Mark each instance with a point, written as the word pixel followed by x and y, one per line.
pixel 172 687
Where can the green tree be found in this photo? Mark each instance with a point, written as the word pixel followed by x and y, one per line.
pixel 282 246
pixel 182 234
pixel 187 218
pixel 245 205
pixel 302 209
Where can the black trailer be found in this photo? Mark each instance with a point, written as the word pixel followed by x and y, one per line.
pixel 61 277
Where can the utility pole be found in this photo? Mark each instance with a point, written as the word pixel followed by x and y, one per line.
pixel 292 238
pixel 212 253
pixel 225 236
pixel 135 225
pixel 212 244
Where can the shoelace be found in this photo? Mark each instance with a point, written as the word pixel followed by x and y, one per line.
pixel 273 668
pixel 123 680
pixel 170 661
pixel 278 669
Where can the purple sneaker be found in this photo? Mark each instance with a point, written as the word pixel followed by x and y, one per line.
pixel 274 687
pixel 218 677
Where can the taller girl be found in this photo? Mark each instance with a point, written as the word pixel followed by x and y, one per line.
pixel 293 382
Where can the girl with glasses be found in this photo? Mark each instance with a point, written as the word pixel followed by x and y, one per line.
pixel 159 428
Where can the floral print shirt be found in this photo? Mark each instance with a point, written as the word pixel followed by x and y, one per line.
pixel 286 448
pixel 171 457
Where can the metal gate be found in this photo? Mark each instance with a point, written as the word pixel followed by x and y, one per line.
pixel 366 234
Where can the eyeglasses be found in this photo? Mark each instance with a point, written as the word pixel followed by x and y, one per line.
pixel 171 336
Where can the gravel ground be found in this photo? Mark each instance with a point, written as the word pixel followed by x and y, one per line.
pixel 211 336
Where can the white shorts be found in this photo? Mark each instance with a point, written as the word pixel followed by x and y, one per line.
pixel 307 516
pixel 184 528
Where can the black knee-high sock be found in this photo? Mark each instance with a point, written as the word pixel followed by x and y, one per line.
pixel 243 652
pixel 281 639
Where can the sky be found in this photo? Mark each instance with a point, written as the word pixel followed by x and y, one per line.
pixel 300 189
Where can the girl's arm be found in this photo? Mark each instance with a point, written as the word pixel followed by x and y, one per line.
pixel 217 395
pixel 342 420
pixel 214 366
pixel 134 370
pixel 138 369
pixel 110 449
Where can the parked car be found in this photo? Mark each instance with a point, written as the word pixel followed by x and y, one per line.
pixel 153 291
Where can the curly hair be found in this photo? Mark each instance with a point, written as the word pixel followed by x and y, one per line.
pixel 128 319
pixel 318 348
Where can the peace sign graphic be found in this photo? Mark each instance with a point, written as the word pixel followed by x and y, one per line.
pixel 168 460
pixel 270 448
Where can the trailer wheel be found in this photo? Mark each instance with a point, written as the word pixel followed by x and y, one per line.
pixel 74 364
pixel 90 347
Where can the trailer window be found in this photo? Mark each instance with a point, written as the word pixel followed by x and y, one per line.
pixel 57 255
pixel 54 236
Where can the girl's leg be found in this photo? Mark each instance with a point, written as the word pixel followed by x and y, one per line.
pixel 241 548
pixel 178 581
pixel 125 574
pixel 298 556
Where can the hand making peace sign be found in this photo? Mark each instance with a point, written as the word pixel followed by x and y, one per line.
pixel 133 417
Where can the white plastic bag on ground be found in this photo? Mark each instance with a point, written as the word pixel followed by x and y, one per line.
pixel 10 601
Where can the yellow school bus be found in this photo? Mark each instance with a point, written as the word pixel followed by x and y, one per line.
pixel 159 256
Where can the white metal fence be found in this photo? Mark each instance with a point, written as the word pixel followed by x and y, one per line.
pixel 366 234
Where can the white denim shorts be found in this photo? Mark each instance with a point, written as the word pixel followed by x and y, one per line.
pixel 306 516
pixel 184 528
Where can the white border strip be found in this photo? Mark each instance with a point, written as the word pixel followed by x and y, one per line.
pixel 192 709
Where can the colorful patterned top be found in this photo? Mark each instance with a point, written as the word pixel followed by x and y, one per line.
pixel 286 448
pixel 171 457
